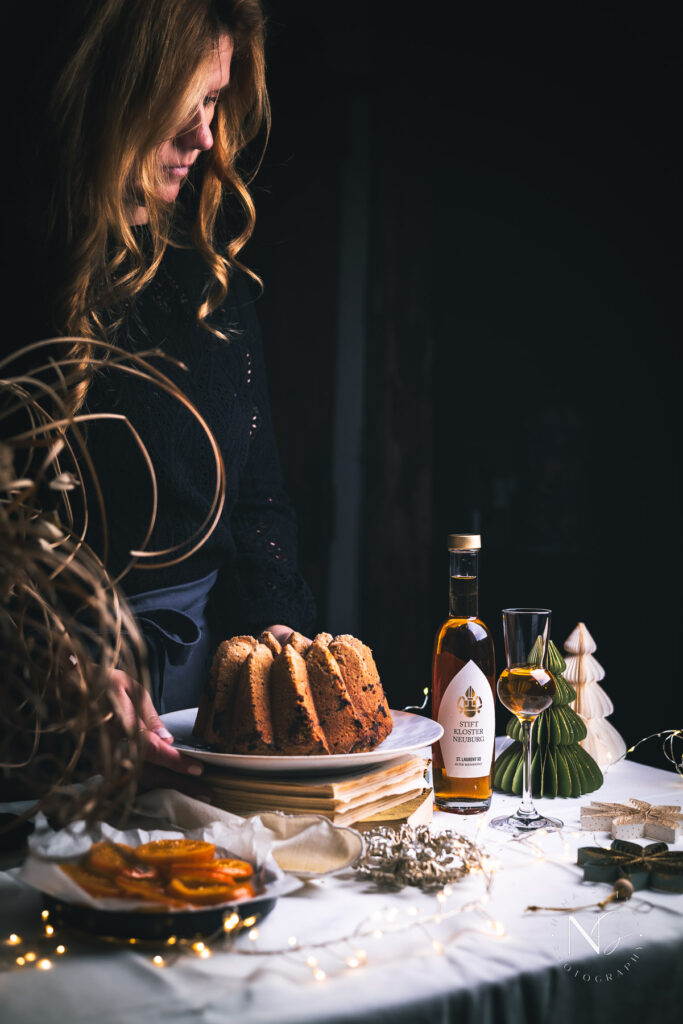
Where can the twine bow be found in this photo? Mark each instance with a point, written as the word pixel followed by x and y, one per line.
pixel 658 814
pixel 646 867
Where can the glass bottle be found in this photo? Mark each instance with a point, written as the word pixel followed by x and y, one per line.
pixel 463 690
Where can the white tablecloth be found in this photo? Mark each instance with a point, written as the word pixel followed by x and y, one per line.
pixel 628 963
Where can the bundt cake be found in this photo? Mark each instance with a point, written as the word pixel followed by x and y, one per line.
pixel 306 697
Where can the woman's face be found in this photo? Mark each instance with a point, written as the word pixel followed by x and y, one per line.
pixel 177 154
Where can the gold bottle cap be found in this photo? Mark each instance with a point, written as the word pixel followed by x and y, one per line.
pixel 464 542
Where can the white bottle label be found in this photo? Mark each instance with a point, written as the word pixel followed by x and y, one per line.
pixel 467 714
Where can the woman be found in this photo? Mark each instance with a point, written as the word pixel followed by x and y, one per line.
pixel 140 217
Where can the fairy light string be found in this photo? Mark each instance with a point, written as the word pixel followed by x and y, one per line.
pixel 320 959
pixel 323 959
pixel 367 944
pixel 423 705
pixel 350 952
pixel 670 737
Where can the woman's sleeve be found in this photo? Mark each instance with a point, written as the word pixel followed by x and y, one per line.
pixel 265 581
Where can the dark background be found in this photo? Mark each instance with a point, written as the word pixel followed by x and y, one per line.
pixel 469 231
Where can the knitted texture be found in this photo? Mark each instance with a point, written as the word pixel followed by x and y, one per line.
pixel 254 544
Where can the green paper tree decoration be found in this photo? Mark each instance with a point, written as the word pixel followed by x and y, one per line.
pixel 559 766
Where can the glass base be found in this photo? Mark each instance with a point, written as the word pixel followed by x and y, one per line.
pixel 455 805
pixel 519 825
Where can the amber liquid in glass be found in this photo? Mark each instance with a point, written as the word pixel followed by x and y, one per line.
pixel 463 637
pixel 526 691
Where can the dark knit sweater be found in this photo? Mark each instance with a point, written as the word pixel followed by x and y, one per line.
pixel 254 545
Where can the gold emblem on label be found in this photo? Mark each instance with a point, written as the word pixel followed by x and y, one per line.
pixel 469 704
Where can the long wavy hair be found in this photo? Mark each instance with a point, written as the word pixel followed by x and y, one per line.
pixel 124 75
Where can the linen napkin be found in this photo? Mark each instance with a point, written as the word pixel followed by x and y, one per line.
pixel 305 845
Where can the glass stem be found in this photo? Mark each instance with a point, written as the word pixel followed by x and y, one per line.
pixel 526 809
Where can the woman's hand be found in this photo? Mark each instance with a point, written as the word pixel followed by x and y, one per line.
pixel 135 710
pixel 281 633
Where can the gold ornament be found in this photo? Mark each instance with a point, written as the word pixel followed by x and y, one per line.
pixel 416 856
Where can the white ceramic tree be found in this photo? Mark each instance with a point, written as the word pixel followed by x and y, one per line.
pixel 584 672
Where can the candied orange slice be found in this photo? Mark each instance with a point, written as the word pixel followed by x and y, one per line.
pixel 200 890
pixel 242 891
pixel 141 889
pixel 199 872
pixel 140 872
pixel 109 858
pixel 232 866
pixel 95 885
pixel 174 851
pixel 203 891
pixel 225 869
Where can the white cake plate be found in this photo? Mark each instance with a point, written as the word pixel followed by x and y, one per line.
pixel 410 733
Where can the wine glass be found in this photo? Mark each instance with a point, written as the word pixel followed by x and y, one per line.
pixel 526 688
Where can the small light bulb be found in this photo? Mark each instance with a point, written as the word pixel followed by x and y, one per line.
pixel 20 961
pixel 319 974
pixel 440 897
pixel 60 949
pixel 49 930
pixel 311 961
pixel 198 946
pixel 436 946
pixel 30 957
pixel 249 921
pixel 44 964
pixel 352 961
pixel 377 934
pixel 231 922
pixel 253 934
pixel 205 953
pixel 45 914
pixel 13 940
pixel 292 940
pixel 158 961
pixel 171 940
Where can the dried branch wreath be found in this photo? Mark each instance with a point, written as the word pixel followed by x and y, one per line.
pixel 64 623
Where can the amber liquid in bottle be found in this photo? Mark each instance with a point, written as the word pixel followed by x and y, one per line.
pixel 464 643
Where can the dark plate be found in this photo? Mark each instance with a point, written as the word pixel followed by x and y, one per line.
pixel 129 924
